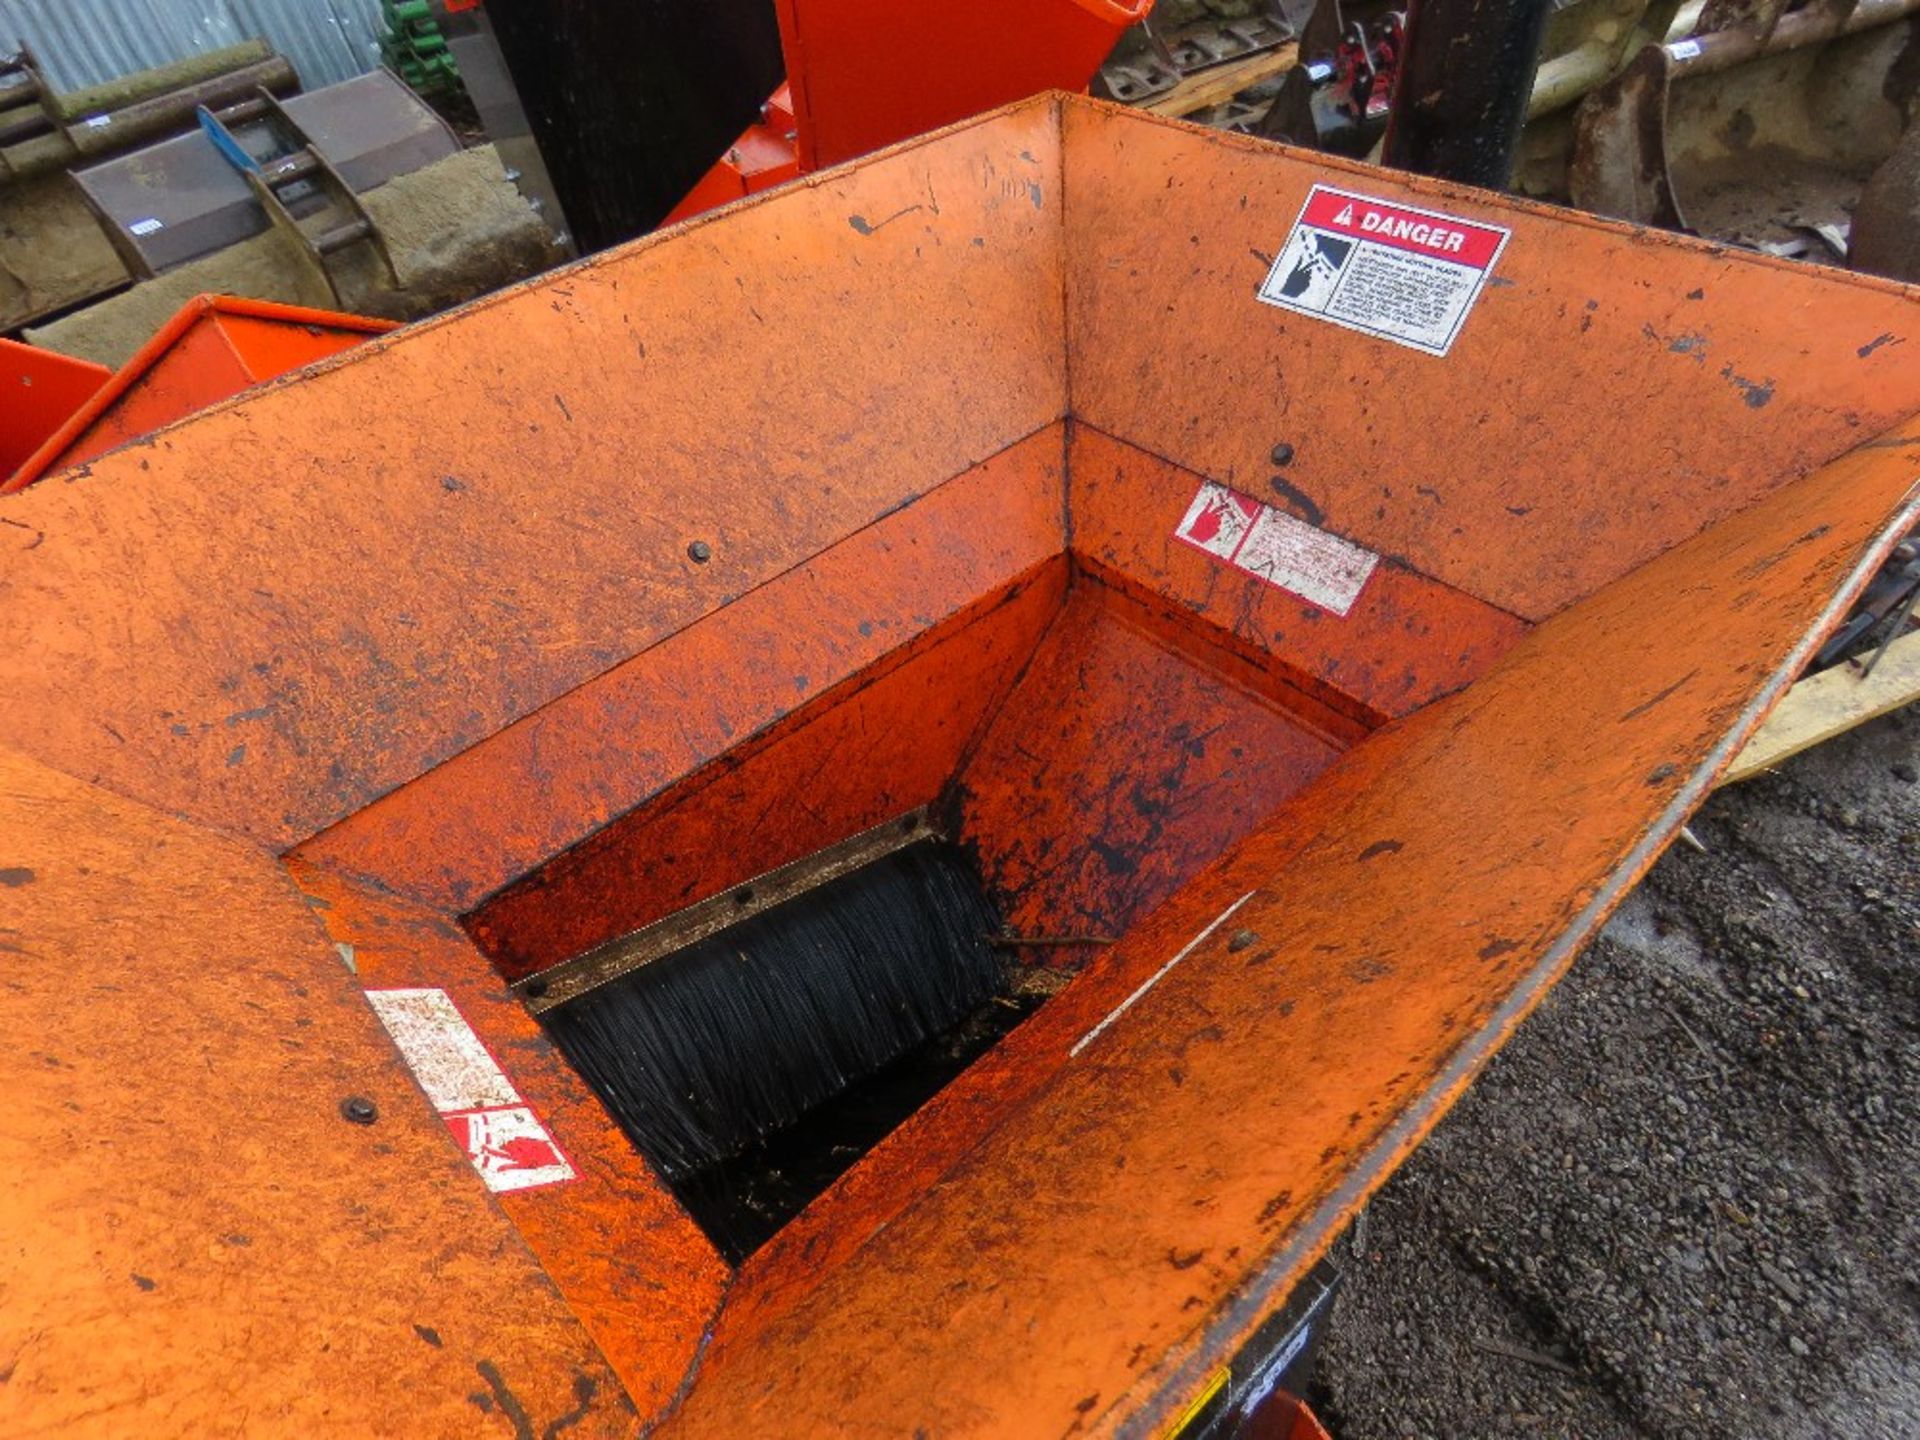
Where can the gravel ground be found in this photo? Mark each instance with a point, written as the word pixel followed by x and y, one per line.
pixel 1682 1202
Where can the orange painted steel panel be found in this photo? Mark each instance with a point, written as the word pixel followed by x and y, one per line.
pixel 1075 1233
pixel 1136 1220
pixel 1407 641
pixel 198 1242
pixel 194 369
pixel 213 347
pixel 637 1272
pixel 40 390
pixel 890 739
pixel 402 590
pixel 488 817
pixel 1612 392
pixel 935 1137
pixel 867 73
pixel 1163 758
pixel 1286 1417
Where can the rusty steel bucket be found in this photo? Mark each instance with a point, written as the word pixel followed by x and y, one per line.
pixel 1336 586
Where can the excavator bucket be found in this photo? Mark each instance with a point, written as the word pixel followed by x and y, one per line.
pixel 1310 595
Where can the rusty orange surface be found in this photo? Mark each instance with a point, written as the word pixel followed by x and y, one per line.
pixel 334 616
pixel 213 347
pixel 1136 1219
pixel 42 388
pixel 1408 640
pixel 1612 392
pixel 197 1241
pixel 934 1138
pixel 553 780
pixel 891 739
pixel 1164 755
pixel 642 1279
pixel 484 662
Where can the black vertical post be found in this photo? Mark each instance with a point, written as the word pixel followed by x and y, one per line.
pixel 1462 92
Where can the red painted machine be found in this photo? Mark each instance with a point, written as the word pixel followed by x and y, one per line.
pixel 859 77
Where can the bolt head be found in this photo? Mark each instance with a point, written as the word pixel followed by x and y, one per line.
pixel 699 552
pixel 1283 454
pixel 1241 939
pixel 359 1110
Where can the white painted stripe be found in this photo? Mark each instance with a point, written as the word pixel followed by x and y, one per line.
pixel 1157 976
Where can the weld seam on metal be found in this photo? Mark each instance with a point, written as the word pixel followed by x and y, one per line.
pixel 1157 976
pixel 606 963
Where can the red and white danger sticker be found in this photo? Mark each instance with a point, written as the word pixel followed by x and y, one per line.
pixel 1404 274
pixel 505 1140
pixel 1276 547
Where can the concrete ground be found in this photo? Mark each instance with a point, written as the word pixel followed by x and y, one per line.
pixel 1685 1200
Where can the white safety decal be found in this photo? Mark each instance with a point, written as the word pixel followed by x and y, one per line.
pixel 1283 551
pixel 1403 274
pixel 505 1140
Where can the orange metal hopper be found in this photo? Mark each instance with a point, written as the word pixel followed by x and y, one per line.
pixel 213 347
pixel 934 481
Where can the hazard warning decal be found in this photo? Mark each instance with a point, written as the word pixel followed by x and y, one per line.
pixel 1276 547
pixel 505 1140
pixel 1406 275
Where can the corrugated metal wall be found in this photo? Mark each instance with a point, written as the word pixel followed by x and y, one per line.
pixel 83 42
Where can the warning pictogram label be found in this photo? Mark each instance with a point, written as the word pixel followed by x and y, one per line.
pixel 510 1148
pixel 502 1137
pixel 1406 275
pixel 1218 520
pixel 1277 547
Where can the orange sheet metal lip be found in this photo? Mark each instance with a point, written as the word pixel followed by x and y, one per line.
pixel 163 340
pixel 1316 1231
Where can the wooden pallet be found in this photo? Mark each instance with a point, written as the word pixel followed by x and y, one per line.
pixel 1824 705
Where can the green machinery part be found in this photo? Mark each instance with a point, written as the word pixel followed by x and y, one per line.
pixel 414 49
